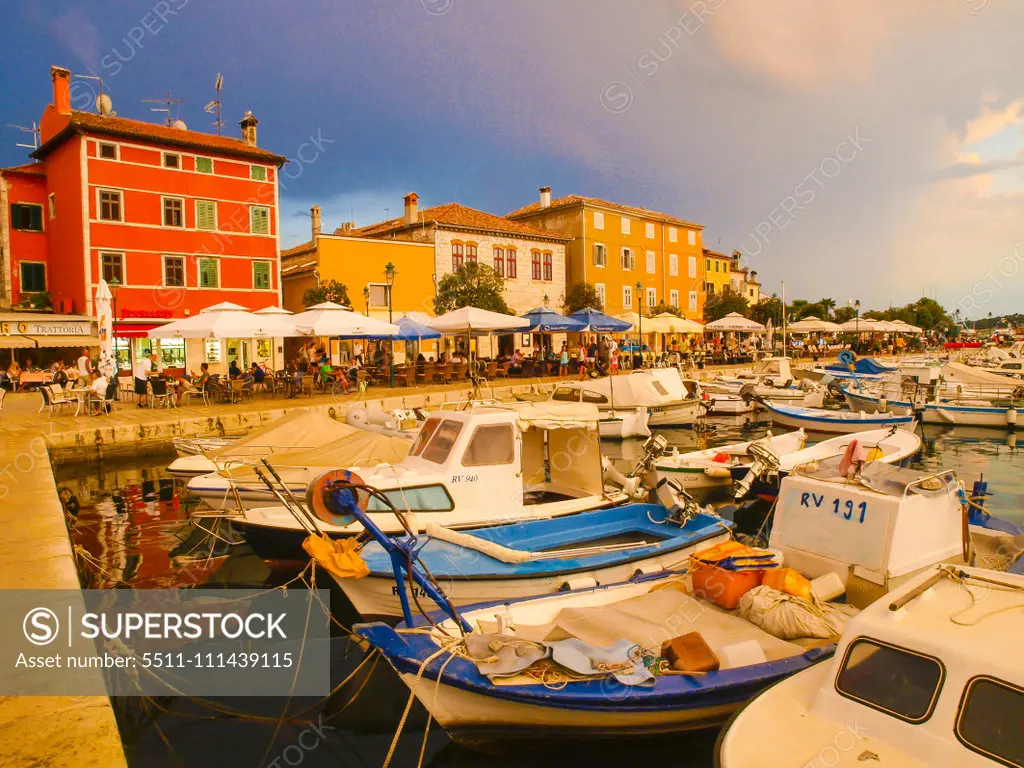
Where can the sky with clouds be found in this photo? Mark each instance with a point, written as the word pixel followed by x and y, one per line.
pixel 870 150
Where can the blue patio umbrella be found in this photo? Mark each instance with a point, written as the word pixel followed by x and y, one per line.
pixel 412 330
pixel 544 320
pixel 598 321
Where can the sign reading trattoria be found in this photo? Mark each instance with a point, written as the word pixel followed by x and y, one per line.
pixel 46 328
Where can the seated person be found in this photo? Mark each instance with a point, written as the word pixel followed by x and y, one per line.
pixel 98 394
pixel 257 373
pixel 233 370
pixel 202 381
pixel 295 384
pixel 60 376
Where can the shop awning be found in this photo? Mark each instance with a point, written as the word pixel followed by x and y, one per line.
pixel 32 342
pixel 136 330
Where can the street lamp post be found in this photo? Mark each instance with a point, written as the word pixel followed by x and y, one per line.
pixel 856 306
pixel 366 299
pixel 389 276
pixel 114 286
pixel 640 320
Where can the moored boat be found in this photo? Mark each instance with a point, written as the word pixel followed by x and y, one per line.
pixel 834 422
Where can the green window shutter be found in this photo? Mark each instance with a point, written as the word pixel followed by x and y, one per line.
pixel 208 273
pixel 260 221
pixel 204 164
pixel 206 214
pixel 257 172
pixel 261 275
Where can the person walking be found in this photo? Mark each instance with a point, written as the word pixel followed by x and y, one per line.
pixel 143 366
pixel 84 368
pixel 563 361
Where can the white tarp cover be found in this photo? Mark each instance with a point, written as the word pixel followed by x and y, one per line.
pixel 573 461
pixel 958 373
pixel 557 415
pixel 641 389
pixel 296 429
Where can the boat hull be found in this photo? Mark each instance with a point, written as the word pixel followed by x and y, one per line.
pixel 681 414
pixel 623 425
pixel 838 426
pixel 999 418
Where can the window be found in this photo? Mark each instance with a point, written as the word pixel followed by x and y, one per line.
pixel 548 266
pixel 510 262
pixel 458 256
pixel 110 205
pixel 710 288
pixel 652 297
pixel 209 273
pixel 378 294
pixel 259 220
pixel 112 267
pixel 174 271
pixel 441 443
pixel 692 304
pixel 648 230
pixel 423 498
pixel 991 712
pixel 599 290
pixel 535 265
pixel 28 218
pixel 598 220
pixel 566 394
pixel 471 252
pixel 892 680
pixel 691 237
pixel 426 432
pixel 172 160
pixel 600 255
pixel 490 445
pixel 673 264
pixel 628 259
pixel 652 264
pixel 691 266
pixel 499 261
pixel 625 225
pixel 261 275
pixel 206 214
pixel 627 296
pixel 707 265
pixel 108 151
pixel 673 298
pixel 52 202
pixel 204 165
pixel 258 172
pixel 673 235
pixel 174 212
pixel 717 265
pixel 33 276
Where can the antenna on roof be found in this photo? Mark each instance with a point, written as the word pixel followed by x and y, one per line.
pixel 34 130
pixel 169 102
pixel 214 106
pixel 102 99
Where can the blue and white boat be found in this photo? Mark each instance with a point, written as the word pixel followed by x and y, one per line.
pixel 834 422
pixel 538 557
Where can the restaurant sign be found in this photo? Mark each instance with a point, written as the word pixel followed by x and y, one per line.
pixel 32 327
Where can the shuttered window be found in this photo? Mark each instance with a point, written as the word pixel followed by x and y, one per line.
pixel 261 275
pixel 260 220
pixel 204 164
pixel 209 273
pixel 33 277
pixel 27 217
pixel 257 172
pixel 206 214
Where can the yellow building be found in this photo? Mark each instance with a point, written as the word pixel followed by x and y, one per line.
pixel 359 263
pixel 717 270
pixel 614 247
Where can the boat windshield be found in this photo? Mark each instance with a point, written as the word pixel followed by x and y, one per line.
pixel 441 443
pixel 491 445
pixel 426 432
pixel 566 394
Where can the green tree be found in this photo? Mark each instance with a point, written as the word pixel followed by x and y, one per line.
pixel 843 314
pixel 812 310
pixel 329 290
pixel 829 306
pixel 581 296
pixel 471 285
pixel 662 308
pixel 769 308
pixel 717 307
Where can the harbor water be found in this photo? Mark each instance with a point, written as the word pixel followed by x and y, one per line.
pixel 132 527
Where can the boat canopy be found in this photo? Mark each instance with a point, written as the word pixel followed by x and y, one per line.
pixel 958 373
pixel 557 415
pixel 862 365
pixel 296 429
pixel 649 388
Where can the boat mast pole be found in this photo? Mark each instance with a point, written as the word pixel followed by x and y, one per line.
pixel 784 318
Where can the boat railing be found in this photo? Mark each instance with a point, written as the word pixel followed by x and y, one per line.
pixel 945 476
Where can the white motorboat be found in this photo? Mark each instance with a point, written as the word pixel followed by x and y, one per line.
pixel 295 430
pixel 704 474
pixel 470 468
pixel 402 422
pixel 927 677
pixel 658 390
pixel 773 378
pixel 977 415
pixel 193 446
pixel 834 422
pixel 614 423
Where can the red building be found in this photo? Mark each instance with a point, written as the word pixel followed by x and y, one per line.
pixel 177 219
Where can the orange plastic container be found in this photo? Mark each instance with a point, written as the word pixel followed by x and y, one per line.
pixel 722 587
pixel 789 581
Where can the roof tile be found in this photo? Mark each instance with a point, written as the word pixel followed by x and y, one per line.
pixel 571 200
pixel 460 216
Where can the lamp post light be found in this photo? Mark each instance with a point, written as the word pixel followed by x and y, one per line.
pixel 114 285
pixel 366 299
pixel 856 306
pixel 640 320
pixel 389 276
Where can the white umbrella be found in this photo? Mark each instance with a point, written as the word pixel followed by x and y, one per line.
pixel 473 319
pixel 104 321
pixel 907 327
pixel 863 325
pixel 734 321
pixel 812 324
pixel 273 309
pixel 330 319
pixel 669 323
pixel 226 321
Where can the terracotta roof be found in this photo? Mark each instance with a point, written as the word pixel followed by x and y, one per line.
pixel 89 123
pixel 572 200
pixel 461 217
pixel 298 269
pixel 716 254
pixel 297 249
pixel 29 169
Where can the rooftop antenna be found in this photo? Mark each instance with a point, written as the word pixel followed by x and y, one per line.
pixel 102 99
pixel 214 106
pixel 169 102
pixel 34 131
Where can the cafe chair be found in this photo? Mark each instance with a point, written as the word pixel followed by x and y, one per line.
pixel 189 390
pixel 52 400
pixel 99 406
pixel 158 394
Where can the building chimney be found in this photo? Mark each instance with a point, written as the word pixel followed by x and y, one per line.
pixel 61 89
pixel 314 215
pixel 249 124
pixel 412 208
pixel 545 197
pixel 347 226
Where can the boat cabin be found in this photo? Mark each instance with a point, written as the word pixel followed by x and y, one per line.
pixel 498 459
pixel 649 388
pixel 873 534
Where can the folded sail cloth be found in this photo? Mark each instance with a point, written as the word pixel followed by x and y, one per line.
pixel 489 548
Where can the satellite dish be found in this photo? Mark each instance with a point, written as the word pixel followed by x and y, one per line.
pixel 104 105
pixel 179 125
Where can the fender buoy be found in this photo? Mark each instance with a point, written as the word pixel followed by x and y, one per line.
pixel 847 357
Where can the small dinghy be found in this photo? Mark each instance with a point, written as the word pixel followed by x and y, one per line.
pixel 833 422
pixel 926 677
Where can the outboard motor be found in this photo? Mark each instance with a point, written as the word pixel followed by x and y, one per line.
pixel 765 462
pixel 680 505
pixel 632 484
